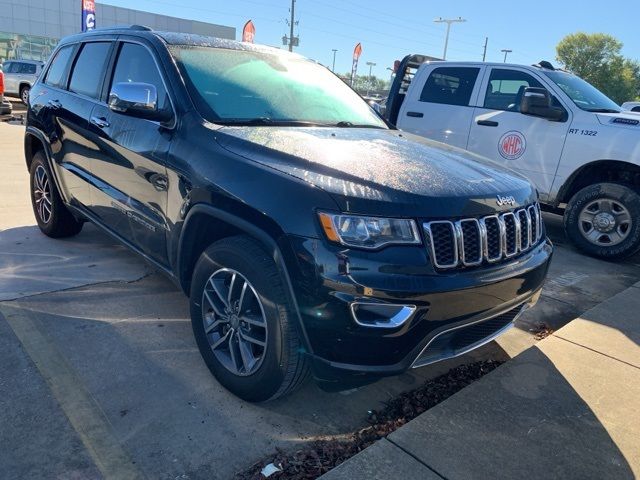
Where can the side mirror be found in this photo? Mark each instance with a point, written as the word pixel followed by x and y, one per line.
pixel 538 103
pixel 136 99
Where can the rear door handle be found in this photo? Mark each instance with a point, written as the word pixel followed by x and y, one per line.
pixel 487 123
pixel 100 122
pixel 54 104
pixel 415 114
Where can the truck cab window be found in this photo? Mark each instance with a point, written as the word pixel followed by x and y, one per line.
pixel 505 89
pixel 450 85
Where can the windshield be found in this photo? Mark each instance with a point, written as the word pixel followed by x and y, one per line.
pixel 584 95
pixel 249 87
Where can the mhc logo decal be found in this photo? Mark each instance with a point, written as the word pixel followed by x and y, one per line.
pixel 512 145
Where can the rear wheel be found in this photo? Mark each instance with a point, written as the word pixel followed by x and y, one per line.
pixel 24 94
pixel 243 323
pixel 603 220
pixel 53 217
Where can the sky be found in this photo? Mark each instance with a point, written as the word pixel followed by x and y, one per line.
pixel 389 30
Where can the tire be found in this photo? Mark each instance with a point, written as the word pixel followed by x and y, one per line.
pixel 24 94
pixel 589 216
pixel 53 217
pixel 280 366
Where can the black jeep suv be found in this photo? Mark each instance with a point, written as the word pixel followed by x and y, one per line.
pixel 308 233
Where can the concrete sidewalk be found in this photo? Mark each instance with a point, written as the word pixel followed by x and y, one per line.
pixel 567 408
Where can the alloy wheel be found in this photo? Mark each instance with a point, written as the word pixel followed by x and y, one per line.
pixel 42 194
pixel 25 96
pixel 234 322
pixel 605 222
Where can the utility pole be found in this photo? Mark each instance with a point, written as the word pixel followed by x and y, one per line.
pixel 506 52
pixel 291 41
pixel 448 21
pixel 333 68
pixel 484 54
pixel 371 65
pixel 293 17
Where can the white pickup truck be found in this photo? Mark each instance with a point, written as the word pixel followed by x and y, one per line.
pixel 575 144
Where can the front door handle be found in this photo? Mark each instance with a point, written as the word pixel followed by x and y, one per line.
pixel 100 122
pixel 415 114
pixel 54 104
pixel 487 123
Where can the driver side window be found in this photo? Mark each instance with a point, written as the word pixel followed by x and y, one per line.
pixel 505 89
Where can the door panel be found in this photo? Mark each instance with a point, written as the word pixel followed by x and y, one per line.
pixel 131 178
pixel 529 145
pixel 442 111
pixel 131 159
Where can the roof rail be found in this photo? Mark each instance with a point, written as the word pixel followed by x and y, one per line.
pixel 140 28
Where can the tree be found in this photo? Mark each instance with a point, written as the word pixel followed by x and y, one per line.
pixel 597 58
pixel 364 83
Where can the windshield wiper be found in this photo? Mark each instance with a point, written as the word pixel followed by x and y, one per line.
pixel 268 121
pixel 345 124
pixel 603 110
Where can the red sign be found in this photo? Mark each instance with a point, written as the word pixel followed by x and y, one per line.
pixel 248 32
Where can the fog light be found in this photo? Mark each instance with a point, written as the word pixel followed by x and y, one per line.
pixel 381 315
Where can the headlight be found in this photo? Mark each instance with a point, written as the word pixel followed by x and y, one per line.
pixel 368 232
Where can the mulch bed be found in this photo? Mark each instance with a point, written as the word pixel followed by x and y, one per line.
pixel 318 457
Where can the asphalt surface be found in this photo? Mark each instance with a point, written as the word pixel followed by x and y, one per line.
pixel 100 375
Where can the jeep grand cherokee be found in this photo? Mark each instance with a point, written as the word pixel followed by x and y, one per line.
pixel 307 233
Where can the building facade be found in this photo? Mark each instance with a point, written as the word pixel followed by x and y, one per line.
pixel 30 29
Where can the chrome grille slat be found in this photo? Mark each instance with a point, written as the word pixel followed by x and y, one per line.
pixel 472 241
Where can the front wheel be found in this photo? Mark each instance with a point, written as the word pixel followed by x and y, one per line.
pixel 242 321
pixel 603 220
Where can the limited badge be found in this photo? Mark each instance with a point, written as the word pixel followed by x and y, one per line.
pixel 512 145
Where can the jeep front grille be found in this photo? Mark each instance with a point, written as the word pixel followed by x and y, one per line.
pixel 472 241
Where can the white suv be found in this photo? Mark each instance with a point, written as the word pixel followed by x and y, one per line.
pixel 19 76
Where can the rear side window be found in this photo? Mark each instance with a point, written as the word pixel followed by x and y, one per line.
pixel 635 109
pixel 88 71
pixel 135 64
pixel 450 85
pixel 55 75
pixel 27 68
pixel 506 87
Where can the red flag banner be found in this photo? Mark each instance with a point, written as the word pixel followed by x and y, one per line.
pixel 356 55
pixel 357 52
pixel 248 32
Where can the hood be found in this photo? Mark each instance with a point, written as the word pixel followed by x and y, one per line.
pixel 622 119
pixel 376 170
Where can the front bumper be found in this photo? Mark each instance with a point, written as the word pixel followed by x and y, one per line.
pixel 328 280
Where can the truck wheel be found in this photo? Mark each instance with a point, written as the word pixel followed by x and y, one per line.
pixel 53 217
pixel 24 94
pixel 603 220
pixel 243 323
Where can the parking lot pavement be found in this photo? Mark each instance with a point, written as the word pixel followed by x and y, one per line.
pixel 99 366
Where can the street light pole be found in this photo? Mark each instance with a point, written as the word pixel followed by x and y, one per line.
pixel 333 68
pixel 371 65
pixel 448 21
pixel 506 52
